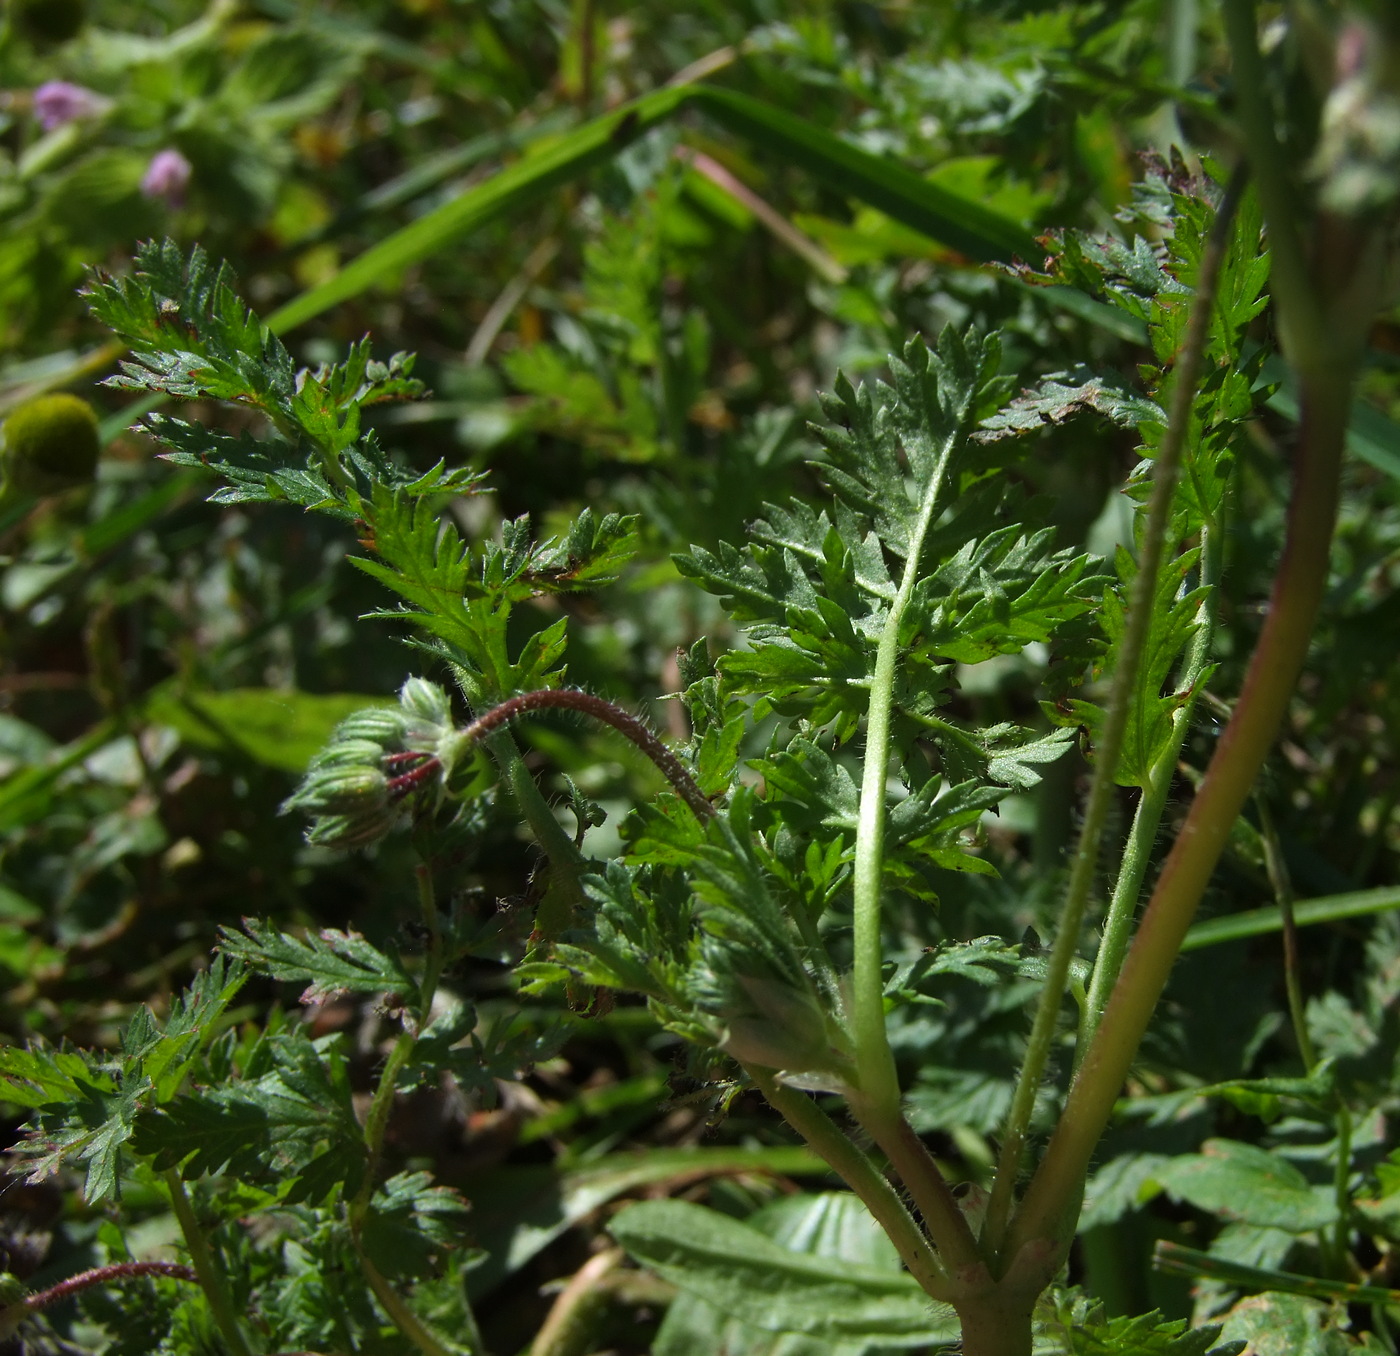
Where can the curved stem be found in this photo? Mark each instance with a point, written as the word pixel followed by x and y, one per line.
pixel 879 1082
pixel 585 703
pixel 1048 1210
pixel 861 1175
pixel 1136 631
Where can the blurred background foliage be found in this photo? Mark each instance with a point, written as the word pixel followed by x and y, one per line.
pixel 649 338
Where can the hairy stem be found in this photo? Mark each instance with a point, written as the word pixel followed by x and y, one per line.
pixel 861 1175
pixel 115 1271
pixel 1047 1211
pixel 1122 909
pixel 1136 630
pixel 879 1082
pixel 211 1278
pixel 946 1223
pixel 585 703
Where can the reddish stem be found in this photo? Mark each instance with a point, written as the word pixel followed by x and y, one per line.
pixel 118 1271
pixel 405 782
pixel 571 699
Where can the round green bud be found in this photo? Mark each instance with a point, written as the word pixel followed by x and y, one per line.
pixel 51 21
pixel 12 1289
pixel 50 444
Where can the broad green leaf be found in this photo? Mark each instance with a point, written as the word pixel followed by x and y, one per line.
pixel 1290 1325
pixel 280 728
pixel 519 1211
pixel 743 1273
pixel 833 1225
pixel 1244 1182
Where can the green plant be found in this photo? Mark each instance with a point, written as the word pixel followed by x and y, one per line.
pixel 831 789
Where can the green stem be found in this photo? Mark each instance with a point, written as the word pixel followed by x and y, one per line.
pixel 407 1322
pixel 1283 896
pixel 945 1222
pixel 376 1124
pixel 1336 1248
pixel 861 1175
pixel 211 1279
pixel 382 1104
pixel 567 863
pixel 1301 328
pixel 1341 1185
pixel 1118 923
pixel 1049 1207
pixel 879 1081
pixel 1136 630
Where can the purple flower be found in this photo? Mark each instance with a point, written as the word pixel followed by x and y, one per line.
pixel 57 102
pixel 167 177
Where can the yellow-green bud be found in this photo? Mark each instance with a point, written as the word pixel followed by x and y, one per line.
pixel 50 444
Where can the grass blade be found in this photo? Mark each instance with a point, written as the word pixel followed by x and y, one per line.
pixel 966 226
pixel 1257 922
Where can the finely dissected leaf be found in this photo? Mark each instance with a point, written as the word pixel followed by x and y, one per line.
pixel 1244 1182
pixel 984 960
pixel 328 963
pixel 293 1130
pixel 1081 1327
pixel 87 1107
pixel 1062 395
pixel 1000 594
pixel 745 1274
pixel 465 597
pixel 191 333
pixel 1152 716
pixel 409 1220
pixel 814 589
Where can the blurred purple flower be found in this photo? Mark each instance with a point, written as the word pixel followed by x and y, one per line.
pixel 167 177
pixel 57 102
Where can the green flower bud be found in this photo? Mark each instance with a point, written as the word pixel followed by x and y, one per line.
pixel 353 830
pixel 50 444
pixel 383 725
pixel 347 753
pixel 426 701
pixel 378 759
pixel 338 791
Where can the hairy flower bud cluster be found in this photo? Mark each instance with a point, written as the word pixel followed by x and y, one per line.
pixel 378 760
